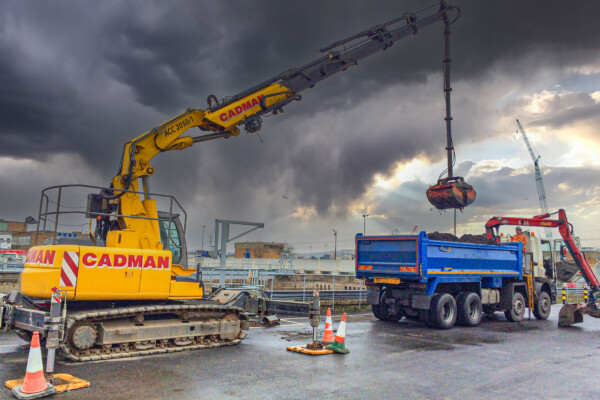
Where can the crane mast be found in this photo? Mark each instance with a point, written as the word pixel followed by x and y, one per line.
pixel 538 177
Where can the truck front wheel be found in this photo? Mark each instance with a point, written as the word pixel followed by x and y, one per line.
pixel 443 311
pixel 543 306
pixel 517 310
pixel 469 309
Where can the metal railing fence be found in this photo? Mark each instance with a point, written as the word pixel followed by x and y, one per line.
pixel 573 294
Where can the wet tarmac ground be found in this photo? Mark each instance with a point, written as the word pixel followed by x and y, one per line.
pixel 405 360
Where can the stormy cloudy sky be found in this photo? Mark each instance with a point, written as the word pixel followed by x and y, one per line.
pixel 78 79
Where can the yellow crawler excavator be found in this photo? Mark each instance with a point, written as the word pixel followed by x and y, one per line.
pixel 128 288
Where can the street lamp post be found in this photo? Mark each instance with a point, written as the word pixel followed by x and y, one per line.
pixel 334 245
pixel 203 226
pixel 365 224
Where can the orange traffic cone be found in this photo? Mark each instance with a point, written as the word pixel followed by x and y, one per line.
pixel 328 333
pixel 35 384
pixel 338 344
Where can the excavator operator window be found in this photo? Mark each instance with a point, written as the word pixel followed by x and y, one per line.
pixel 547 258
pixel 174 242
pixel 546 250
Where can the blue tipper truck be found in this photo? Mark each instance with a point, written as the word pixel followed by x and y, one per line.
pixel 445 282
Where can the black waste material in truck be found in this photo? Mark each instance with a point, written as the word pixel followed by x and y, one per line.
pixel 466 238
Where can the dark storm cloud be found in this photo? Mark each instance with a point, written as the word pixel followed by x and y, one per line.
pixel 176 53
pixel 31 106
pixel 508 188
pixel 359 157
pixel 85 77
pixel 568 109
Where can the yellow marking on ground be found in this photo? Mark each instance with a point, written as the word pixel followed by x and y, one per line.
pixel 287 321
pixel 290 322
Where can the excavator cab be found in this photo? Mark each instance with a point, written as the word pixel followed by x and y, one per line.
pixel 175 239
pixel 451 192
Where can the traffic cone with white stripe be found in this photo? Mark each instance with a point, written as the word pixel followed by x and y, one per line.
pixel 328 332
pixel 34 385
pixel 338 344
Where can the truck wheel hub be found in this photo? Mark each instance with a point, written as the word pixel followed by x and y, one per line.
pixel 545 305
pixel 519 307
pixel 448 311
pixel 473 311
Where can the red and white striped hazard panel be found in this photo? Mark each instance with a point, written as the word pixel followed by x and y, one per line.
pixel 70 268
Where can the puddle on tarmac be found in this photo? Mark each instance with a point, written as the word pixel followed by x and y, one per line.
pixel 14 348
pixel 14 357
pixel 413 336
pixel 476 340
pixel 9 350
pixel 510 327
pixel 407 343
pixel 409 336
pixel 433 341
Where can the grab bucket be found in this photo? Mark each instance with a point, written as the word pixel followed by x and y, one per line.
pixel 451 193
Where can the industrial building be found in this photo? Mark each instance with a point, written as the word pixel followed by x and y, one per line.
pixel 15 236
pixel 258 249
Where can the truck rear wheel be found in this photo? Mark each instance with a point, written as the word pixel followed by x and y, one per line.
pixel 411 313
pixel 443 311
pixel 397 316
pixel 377 312
pixel 469 309
pixel 517 310
pixel 543 306
pixel 382 310
pixel 425 317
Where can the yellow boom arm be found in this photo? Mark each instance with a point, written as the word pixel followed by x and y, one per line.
pixel 222 119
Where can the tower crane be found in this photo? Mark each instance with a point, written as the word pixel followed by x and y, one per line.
pixel 538 178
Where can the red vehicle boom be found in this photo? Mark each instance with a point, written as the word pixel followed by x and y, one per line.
pixel 570 314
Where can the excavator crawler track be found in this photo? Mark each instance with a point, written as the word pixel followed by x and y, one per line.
pixel 88 333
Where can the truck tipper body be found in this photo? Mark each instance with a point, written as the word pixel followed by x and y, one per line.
pixel 445 282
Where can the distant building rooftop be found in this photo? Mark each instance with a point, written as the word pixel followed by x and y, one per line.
pixel 258 249
pixel 12 226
